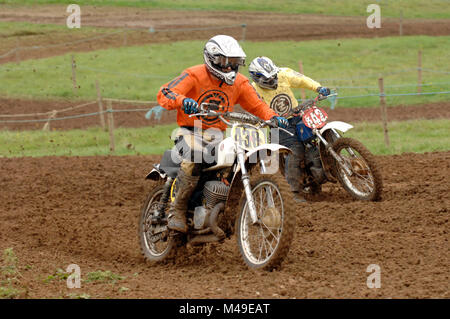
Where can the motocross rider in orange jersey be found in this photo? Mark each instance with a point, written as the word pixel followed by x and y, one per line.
pixel 274 85
pixel 216 81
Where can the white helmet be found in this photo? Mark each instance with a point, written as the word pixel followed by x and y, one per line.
pixel 264 72
pixel 223 55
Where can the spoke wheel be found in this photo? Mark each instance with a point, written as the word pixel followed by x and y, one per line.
pixel 156 244
pixel 265 244
pixel 364 182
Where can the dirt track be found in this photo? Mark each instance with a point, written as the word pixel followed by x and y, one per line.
pixel 61 210
pixel 186 25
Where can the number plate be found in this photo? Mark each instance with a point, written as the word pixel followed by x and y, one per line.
pixel 315 117
pixel 248 137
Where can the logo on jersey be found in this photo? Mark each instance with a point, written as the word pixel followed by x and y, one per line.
pixel 214 97
pixel 281 104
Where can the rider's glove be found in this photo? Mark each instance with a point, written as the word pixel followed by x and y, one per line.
pixel 323 90
pixel 190 106
pixel 280 121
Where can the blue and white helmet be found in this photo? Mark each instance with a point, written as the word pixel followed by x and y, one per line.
pixel 223 55
pixel 264 72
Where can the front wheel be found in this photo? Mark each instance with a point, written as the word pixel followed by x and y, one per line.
pixel 364 182
pixel 265 244
pixel 155 240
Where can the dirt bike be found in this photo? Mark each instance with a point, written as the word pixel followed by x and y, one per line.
pixel 329 157
pixel 235 194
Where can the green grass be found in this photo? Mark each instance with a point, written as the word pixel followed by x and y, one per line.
pixel 103 276
pixel 58 275
pixel 418 136
pixel 138 72
pixel 389 8
pixel 88 142
pixel 10 285
pixel 24 34
pixel 409 136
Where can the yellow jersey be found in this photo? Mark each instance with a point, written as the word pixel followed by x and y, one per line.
pixel 282 100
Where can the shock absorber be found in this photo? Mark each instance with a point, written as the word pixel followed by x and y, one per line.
pixel 163 201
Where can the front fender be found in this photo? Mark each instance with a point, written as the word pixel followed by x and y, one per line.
pixel 252 157
pixel 338 125
pixel 271 147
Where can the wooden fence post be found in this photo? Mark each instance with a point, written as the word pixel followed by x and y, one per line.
pixel 100 106
pixel 112 146
pixel 302 91
pixel 419 72
pixel 17 51
pixel 47 124
pixel 400 31
pixel 244 31
pixel 125 38
pixel 74 77
pixel 383 111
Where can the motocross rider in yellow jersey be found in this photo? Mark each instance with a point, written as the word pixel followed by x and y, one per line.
pixel 274 86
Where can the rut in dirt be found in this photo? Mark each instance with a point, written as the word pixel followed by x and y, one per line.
pixel 61 210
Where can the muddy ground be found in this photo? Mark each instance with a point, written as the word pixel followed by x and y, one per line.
pixel 58 211
pixel 171 25
pixel 61 210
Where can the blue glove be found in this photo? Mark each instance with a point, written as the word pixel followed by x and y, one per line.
pixel 190 106
pixel 281 121
pixel 323 90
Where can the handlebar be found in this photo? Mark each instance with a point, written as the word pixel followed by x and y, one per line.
pixel 234 116
pixel 309 103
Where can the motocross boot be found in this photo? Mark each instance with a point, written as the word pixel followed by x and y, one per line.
pixel 299 196
pixel 178 208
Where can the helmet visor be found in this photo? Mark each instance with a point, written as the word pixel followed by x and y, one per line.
pixel 273 80
pixel 232 62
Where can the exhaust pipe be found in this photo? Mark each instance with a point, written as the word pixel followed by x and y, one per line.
pixel 220 234
pixel 217 233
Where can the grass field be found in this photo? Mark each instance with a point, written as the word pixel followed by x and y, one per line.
pixel 13 34
pixel 138 72
pixel 417 136
pixel 389 8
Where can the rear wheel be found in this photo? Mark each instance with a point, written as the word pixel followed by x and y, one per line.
pixel 155 240
pixel 265 244
pixel 364 181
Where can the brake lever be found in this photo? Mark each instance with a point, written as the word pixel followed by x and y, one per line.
pixel 286 131
pixel 269 122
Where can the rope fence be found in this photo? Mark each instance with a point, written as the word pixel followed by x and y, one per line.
pixel 153 102
pixel 157 110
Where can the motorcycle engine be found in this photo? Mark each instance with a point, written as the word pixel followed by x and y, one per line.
pixel 214 192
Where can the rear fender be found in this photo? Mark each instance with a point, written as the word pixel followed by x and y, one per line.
pixel 155 174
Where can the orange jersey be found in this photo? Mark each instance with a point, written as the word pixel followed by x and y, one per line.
pixel 197 83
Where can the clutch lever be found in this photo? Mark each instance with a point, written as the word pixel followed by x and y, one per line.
pixel 269 123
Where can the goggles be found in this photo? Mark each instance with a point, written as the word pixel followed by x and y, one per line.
pixel 225 62
pixel 269 81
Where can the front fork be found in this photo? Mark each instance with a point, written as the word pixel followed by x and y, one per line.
pixel 330 150
pixel 247 186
